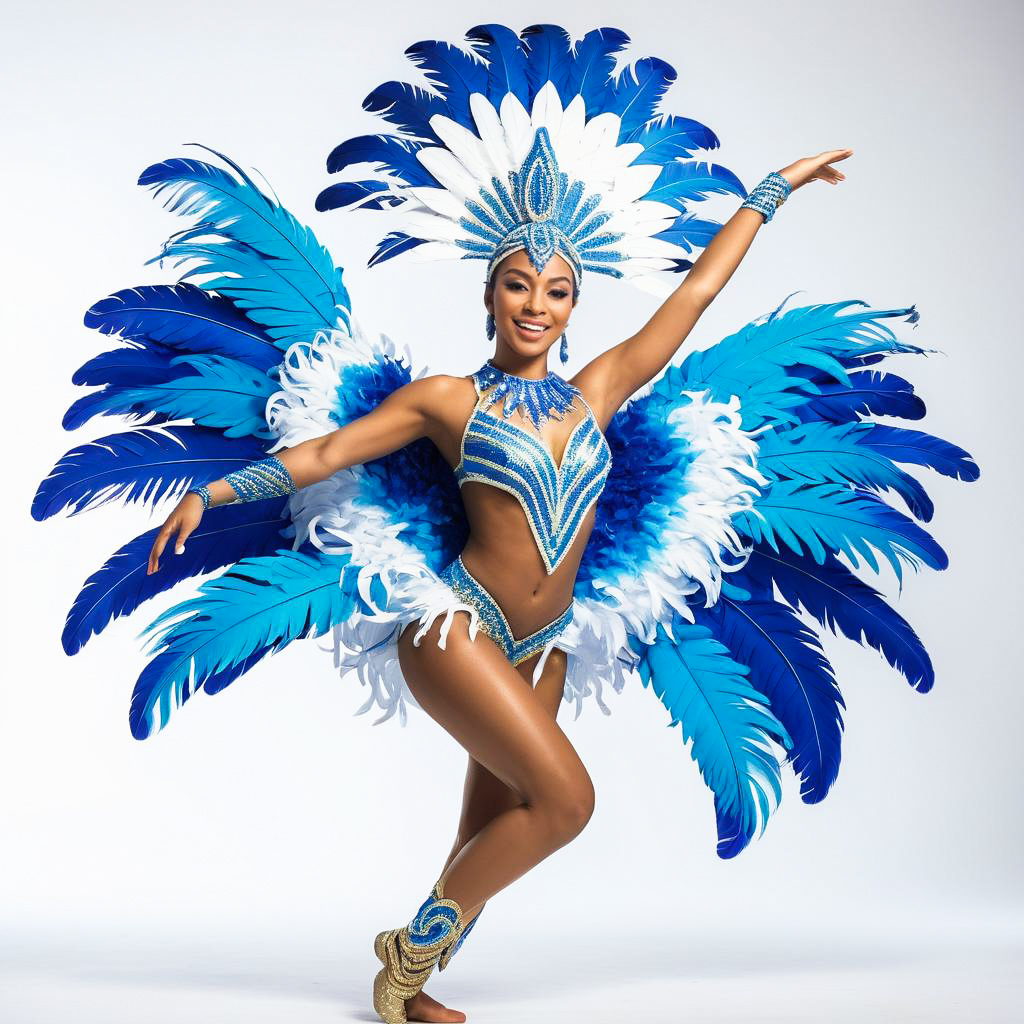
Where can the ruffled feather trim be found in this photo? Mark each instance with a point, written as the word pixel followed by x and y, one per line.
pixel 697 545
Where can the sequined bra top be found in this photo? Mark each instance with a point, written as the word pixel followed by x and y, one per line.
pixel 555 498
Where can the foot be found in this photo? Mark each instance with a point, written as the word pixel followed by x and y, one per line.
pixel 423 1007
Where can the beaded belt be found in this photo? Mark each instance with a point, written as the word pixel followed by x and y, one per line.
pixel 492 618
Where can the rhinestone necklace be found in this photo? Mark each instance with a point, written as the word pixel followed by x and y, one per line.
pixel 536 397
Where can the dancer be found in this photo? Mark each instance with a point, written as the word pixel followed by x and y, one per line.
pixel 484 546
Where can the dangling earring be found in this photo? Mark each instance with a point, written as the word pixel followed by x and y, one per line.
pixel 490 327
pixel 563 352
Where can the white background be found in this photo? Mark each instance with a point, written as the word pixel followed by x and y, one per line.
pixel 238 864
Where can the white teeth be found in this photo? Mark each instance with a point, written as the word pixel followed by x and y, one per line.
pixel 531 327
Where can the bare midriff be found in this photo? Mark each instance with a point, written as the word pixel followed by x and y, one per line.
pixel 502 555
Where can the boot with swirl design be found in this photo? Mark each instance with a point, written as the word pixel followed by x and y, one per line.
pixel 409 954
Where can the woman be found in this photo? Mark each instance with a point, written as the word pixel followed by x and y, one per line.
pixel 527 793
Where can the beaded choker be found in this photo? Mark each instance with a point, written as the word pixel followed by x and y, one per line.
pixel 549 397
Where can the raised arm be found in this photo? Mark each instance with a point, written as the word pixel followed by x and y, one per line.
pixel 406 414
pixel 622 370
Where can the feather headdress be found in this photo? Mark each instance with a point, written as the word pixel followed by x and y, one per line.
pixel 531 143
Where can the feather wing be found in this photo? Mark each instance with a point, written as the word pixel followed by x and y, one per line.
pixel 202 361
pixel 703 527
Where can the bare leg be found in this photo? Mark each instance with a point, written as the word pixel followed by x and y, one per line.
pixel 484 795
pixel 487 706
pixel 484 798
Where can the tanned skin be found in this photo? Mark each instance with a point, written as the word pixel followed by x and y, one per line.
pixel 526 793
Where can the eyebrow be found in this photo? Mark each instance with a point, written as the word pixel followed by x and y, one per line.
pixel 521 273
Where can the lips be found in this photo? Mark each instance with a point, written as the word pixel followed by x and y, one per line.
pixel 530 327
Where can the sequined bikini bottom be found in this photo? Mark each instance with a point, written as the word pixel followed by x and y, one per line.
pixel 492 619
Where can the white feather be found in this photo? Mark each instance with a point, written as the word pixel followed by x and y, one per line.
pixel 492 134
pixel 449 171
pixel 516 123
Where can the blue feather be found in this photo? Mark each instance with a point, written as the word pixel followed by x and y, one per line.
pixel 870 393
pixel 142 464
pixel 414 483
pixel 921 449
pixel 503 51
pixel 838 453
pixel 390 153
pixel 641 494
pixel 225 394
pixel 706 692
pixel 690 231
pixel 767 362
pixel 409 107
pixel 788 666
pixel 392 245
pixel 549 59
pixel 638 90
pixel 840 600
pixel 182 317
pixel 109 402
pixel 671 137
pixel 680 182
pixel 593 63
pixel 226 534
pixel 835 518
pixel 257 607
pixel 134 364
pixel 141 364
pixel 453 72
pixel 347 193
pixel 270 265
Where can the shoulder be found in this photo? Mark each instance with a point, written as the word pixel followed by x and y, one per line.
pixel 441 395
pixel 595 382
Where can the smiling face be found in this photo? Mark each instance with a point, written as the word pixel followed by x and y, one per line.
pixel 518 296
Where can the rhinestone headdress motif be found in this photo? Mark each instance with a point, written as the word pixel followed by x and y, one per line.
pixel 534 141
pixel 542 213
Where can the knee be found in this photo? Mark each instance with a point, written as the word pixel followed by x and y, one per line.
pixel 569 811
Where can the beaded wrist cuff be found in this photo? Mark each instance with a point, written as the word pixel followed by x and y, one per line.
pixel 204 494
pixel 266 479
pixel 768 195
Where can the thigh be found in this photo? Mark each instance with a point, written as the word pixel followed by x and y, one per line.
pixel 551 685
pixel 472 691
pixel 484 796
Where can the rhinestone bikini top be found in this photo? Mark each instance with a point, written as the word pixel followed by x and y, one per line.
pixel 555 497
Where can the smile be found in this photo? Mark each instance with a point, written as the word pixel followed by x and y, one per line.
pixel 530 328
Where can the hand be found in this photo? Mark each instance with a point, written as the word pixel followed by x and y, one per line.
pixel 182 521
pixel 812 167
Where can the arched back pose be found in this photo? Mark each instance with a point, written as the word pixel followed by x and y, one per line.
pixel 594 530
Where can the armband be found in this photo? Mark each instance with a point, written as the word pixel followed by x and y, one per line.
pixel 266 479
pixel 768 195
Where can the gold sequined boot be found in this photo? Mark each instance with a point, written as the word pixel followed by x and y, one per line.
pixel 409 954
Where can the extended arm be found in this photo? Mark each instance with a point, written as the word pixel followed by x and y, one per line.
pixel 405 415
pixel 625 368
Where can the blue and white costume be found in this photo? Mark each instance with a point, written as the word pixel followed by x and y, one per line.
pixel 732 499
pixel 555 498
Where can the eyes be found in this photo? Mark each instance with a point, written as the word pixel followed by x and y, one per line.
pixel 558 293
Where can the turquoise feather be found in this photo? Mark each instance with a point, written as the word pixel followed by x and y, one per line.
pixel 280 275
pixel 730 723
pixel 838 453
pixel 225 393
pixel 832 517
pixel 259 605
